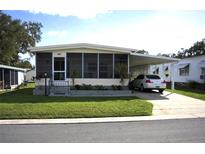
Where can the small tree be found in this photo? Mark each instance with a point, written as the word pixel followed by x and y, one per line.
pixel 73 75
pixel 130 75
pixel 121 69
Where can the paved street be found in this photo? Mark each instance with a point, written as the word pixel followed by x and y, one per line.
pixel 181 130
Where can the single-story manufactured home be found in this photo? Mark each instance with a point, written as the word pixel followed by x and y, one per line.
pixel 185 70
pixel 92 63
pixel 11 77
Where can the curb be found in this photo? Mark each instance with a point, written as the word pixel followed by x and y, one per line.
pixel 93 120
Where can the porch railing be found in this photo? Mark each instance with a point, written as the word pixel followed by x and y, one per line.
pixel 59 83
pixel 58 86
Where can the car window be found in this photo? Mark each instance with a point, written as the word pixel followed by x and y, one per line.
pixel 140 77
pixel 152 76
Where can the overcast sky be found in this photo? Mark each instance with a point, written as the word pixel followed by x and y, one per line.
pixel 154 31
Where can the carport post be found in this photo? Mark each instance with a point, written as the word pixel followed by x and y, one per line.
pixel 172 76
pixel 3 77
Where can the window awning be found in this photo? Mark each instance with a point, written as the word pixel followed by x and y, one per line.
pixel 166 68
pixel 156 70
pixel 202 63
pixel 183 65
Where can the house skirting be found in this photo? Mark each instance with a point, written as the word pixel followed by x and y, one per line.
pixel 81 81
pixel 86 93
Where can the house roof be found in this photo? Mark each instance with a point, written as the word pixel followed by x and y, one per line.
pixel 81 45
pixel 12 68
pixel 144 58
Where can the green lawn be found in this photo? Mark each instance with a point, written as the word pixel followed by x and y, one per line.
pixel 21 104
pixel 194 94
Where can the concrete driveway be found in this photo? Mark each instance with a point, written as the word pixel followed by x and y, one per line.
pixel 174 104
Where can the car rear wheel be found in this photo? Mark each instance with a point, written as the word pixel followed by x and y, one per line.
pixel 161 91
pixel 141 88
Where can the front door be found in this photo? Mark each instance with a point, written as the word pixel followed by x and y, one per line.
pixel 59 68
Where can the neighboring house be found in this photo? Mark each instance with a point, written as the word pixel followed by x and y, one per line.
pixel 163 70
pixel 30 75
pixel 188 69
pixel 94 64
pixel 11 77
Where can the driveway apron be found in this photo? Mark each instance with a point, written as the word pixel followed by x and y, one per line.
pixel 173 104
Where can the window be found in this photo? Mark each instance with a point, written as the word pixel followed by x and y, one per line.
pixel 59 64
pixel 12 77
pixel 156 71
pixel 43 64
pixel 202 76
pixel 1 74
pixel 7 78
pixel 105 65
pixel 166 71
pixel 16 77
pixel 59 68
pixel 140 77
pixel 90 65
pixel 152 76
pixel 184 71
pixel 120 59
pixel 74 63
pixel 203 71
pixel 167 68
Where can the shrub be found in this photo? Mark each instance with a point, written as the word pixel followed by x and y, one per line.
pixel 193 84
pixel 77 87
pixel 119 87
pixel 116 87
pixel 100 87
pixel 22 85
pixel 86 87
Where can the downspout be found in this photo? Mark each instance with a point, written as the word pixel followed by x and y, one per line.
pixel 10 78
pixel 172 77
pixel 3 77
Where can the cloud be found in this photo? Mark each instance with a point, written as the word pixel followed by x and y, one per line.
pixel 161 32
pixel 86 9
pixel 158 34
pixel 83 9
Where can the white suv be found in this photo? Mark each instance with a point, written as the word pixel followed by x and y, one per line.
pixel 149 81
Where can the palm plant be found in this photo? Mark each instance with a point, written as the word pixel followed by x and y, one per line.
pixel 121 69
pixel 73 75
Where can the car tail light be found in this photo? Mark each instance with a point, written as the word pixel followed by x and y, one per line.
pixel 164 81
pixel 148 81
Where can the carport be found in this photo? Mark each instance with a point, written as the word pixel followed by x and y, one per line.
pixel 139 63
